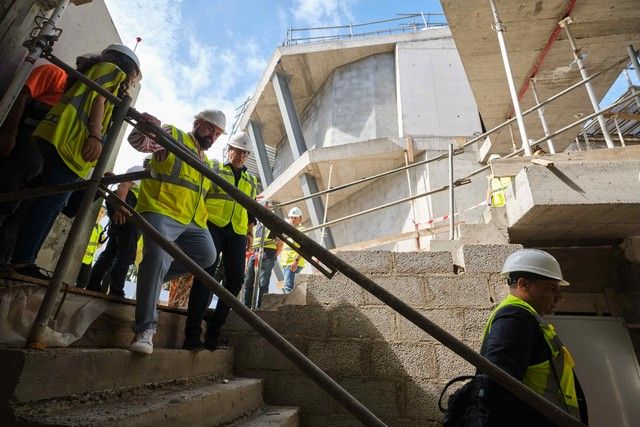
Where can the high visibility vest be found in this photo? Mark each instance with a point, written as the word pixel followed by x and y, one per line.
pixel 66 124
pixel 175 189
pixel 135 189
pixel 94 241
pixel 540 377
pixel 288 255
pixel 498 187
pixel 269 241
pixel 221 207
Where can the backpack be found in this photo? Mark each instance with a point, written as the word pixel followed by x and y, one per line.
pixel 465 407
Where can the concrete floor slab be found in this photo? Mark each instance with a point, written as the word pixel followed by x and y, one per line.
pixel 602 30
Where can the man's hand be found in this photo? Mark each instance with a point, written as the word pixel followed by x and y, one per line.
pixel 7 142
pixel 120 216
pixel 151 119
pixel 294 265
pixel 91 149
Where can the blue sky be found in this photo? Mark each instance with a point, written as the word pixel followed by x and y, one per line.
pixel 199 54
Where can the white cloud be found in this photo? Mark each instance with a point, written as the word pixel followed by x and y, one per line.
pixel 321 13
pixel 173 88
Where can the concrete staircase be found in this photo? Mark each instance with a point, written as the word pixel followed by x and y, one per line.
pixel 106 387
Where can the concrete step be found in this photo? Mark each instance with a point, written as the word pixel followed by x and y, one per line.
pixel 190 403
pixel 271 416
pixel 297 297
pixel 31 375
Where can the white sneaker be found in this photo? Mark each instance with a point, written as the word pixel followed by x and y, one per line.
pixel 143 342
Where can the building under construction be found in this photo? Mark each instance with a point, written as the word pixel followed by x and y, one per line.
pixel 382 135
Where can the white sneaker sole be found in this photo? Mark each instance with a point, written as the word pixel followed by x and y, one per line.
pixel 141 348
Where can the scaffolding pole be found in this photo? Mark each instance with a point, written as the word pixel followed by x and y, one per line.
pixel 48 33
pixel 543 120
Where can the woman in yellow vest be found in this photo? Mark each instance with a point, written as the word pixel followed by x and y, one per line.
pixel 96 240
pixel 292 263
pixel 70 141
pixel 496 191
pixel 522 343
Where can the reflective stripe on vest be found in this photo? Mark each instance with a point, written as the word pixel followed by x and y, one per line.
pixel 269 243
pixel 175 189
pixel 288 255
pixel 66 124
pixel 498 187
pixel 222 208
pixel 540 377
pixel 93 244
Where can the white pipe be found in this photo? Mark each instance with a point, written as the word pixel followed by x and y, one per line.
pixel 512 87
pixel 543 120
pixel 615 121
pixel 23 71
pixel 323 232
pixel 583 71
pixel 452 224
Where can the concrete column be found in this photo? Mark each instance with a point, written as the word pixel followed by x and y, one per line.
pixel 298 147
pixel 260 151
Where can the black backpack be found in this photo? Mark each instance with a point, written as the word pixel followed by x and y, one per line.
pixel 466 406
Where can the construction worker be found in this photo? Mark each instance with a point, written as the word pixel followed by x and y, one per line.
pixel 173 202
pixel 292 263
pixel 231 228
pixel 496 196
pixel 271 249
pixel 522 343
pixel 70 142
pixel 20 159
pixel 95 241
pixel 120 252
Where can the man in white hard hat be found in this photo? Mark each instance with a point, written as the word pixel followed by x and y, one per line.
pixel 173 202
pixel 291 261
pixel 120 253
pixel 231 228
pixel 522 343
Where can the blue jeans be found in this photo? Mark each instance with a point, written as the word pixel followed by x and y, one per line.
pixel 39 219
pixel 268 261
pixel 289 278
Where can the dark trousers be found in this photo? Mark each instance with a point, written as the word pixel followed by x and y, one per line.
pixel 83 275
pixel 233 247
pixel 119 254
pixel 269 259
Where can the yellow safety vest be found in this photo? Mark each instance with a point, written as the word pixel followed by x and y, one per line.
pixel 135 189
pixel 175 189
pixel 66 124
pixel 94 241
pixel 540 377
pixel 498 187
pixel 269 242
pixel 221 207
pixel 288 255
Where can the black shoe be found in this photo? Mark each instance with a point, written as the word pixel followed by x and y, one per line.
pixel 192 345
pixel 30 271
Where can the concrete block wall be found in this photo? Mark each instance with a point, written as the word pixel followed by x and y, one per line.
pixel 394 368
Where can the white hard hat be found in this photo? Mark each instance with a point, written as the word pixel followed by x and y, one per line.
pixel 126 51
pixel 240 140
pixel 295 212
pixel 494 157
pixel 215 117
pixel 533 261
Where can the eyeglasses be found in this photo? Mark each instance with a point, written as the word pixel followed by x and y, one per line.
pixel 239 151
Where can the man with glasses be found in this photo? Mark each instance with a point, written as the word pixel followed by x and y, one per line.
pixel 231 228
pixel 172 201
pixel 522 343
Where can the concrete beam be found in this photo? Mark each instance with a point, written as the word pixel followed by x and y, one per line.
pixel 315 207
pixel 260 151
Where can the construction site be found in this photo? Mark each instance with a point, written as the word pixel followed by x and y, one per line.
pixel 388 138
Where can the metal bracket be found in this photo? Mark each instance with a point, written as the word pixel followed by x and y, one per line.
pixel 44 41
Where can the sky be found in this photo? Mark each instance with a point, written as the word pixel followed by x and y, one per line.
pixel 198 54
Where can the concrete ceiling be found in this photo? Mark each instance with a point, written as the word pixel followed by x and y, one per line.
pixel 602 29
pixel 309 66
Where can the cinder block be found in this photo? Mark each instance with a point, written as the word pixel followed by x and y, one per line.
pixel 378 323
pixel 422 399
pixel 369 261
pixel 451 320
pixel 451 365
pixel 423 262
pixel 463 290
pixel 484 234
pixel 340 357
pixel 474 323
pixel 498 288
pixel 303 321
pixel 485 258
pixel 381 396
pixel 410 289
pixel 253 352
pixel 403 360
pixel 338 290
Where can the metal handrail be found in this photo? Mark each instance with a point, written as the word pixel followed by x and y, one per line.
pixel 328 263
